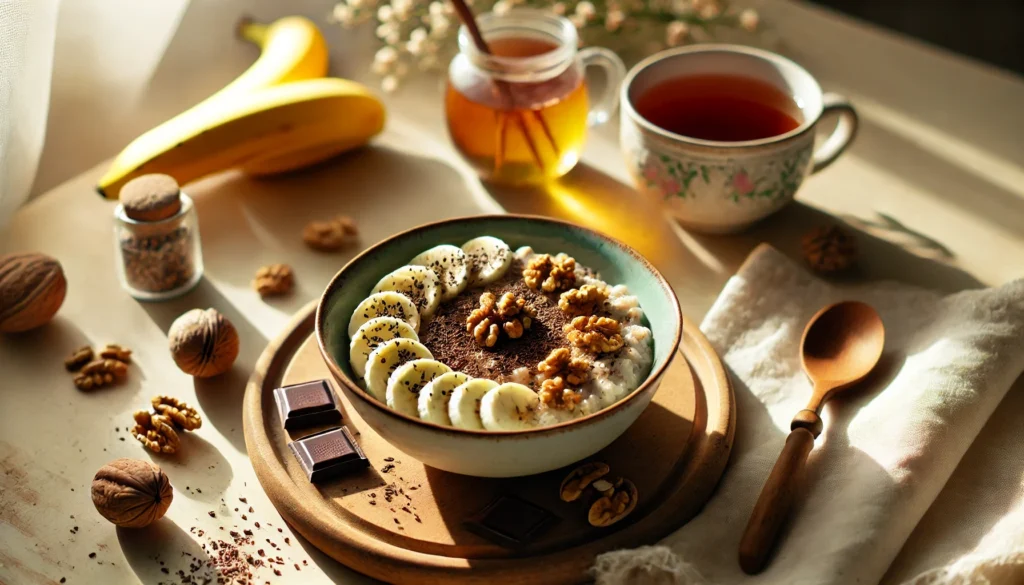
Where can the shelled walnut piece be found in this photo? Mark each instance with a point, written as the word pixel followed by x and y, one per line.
pixel 114 351
pixel 100 373
pixel 508 314
pixel 155 431
pixel 829 249
pixel 617 499
pixel 561 363
pixel 583 301
pixel 79 358
pixel 580 478
pixel 331 235
pixel 550 273
pixel 274 280
pixel 596 334
pixel 179 411
pixel 556 394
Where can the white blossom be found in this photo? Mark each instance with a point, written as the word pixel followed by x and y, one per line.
pixel 577 21
pixel 586 9
pixel 385 13
pixel 439 26
pixel 402 8
pixel 380 68
pixel 356 4
pixel 417 41
pixel 389 84
pixel 558 8
pixel 676 32
pixel 386 56
pixel 614 20
pixel 343 14
pixel 749 19
pixel 710 11
pixel 501 7
pixel 435 9
pixel 384 30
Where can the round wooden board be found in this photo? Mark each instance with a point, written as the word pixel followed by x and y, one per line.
pixel 675 453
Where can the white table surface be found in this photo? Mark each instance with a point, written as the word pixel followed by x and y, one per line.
pixel 939 151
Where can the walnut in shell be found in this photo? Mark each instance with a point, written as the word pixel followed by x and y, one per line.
pixel 131 493
pixel 32 289
pixel 203 343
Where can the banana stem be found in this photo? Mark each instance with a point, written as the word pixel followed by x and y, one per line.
pixel 254 32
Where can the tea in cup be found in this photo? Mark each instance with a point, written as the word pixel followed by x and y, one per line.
pixel 724 135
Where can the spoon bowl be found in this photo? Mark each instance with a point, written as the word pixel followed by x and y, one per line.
pixel 841 345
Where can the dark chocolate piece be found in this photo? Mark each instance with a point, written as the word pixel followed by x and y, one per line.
pixel 307 405
pixel 510 521
pixel 328 454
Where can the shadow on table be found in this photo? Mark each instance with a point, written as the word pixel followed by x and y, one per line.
pixel 970 192
pixel 220 396
pixel 199 469
pixel 159 551
pixel 335 571
pixel 247 223
pixel 688 259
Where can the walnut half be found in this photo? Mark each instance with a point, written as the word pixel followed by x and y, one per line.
pixel 155 432
pixel 597 334
pixel 179 411
pixel 583 301
pixel 550 273
pixel 554 393
pixel 561 363
pixel 100 373
pixel 580 478
pixel 508 314
pixel 274 280
pixel 618 499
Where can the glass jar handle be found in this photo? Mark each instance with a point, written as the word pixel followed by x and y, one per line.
pixel 603 106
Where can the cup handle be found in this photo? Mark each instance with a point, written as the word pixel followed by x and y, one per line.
pixel 842 136
pixel 604 105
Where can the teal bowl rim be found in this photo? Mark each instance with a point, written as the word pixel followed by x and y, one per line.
pixel 552 429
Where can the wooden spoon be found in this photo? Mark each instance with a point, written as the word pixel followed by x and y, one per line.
pixel 840 346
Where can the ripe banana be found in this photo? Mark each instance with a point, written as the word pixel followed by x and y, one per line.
pixel 279 115
pixel 327 115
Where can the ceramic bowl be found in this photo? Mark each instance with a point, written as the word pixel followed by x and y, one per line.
pixel 499 454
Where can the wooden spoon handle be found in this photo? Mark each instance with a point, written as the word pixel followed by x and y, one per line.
pixel 774 503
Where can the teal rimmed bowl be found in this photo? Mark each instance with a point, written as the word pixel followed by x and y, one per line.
pixel 500 454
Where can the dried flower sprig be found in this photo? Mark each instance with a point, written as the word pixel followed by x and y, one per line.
pixel 420 34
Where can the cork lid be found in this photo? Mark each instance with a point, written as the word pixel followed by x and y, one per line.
pixel 151 197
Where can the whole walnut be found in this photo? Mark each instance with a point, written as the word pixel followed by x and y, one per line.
pixel 32 289
pixel 131 493
pixel 203 343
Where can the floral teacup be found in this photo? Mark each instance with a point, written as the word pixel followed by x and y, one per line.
pixel 723 187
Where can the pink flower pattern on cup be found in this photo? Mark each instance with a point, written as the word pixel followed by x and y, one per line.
pixel 741 183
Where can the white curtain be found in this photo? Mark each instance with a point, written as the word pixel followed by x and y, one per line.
pixel 27 33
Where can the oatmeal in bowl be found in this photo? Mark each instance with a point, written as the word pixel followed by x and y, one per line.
pixel 497 334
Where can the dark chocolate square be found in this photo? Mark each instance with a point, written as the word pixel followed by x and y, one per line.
pixel 510 521
pixel 306 405
pixel 328 454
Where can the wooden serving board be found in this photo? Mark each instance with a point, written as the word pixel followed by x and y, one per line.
pixel 675 453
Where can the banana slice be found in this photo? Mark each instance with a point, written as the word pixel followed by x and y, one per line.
pixel 509 407
pixel 451 267
pixel 489 259
pixel 419 283
pixel 384 304
pixel 405 384
pixel 435 396
pixel 384 360
pixel 464 406
pixel 373 333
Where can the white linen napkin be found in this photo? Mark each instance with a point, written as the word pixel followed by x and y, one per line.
pixel 888 447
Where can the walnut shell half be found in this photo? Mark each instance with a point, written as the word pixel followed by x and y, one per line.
pixel 580 478
pixel 617 499
pixel 131 493
pixel 203 343
pixel 32 289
